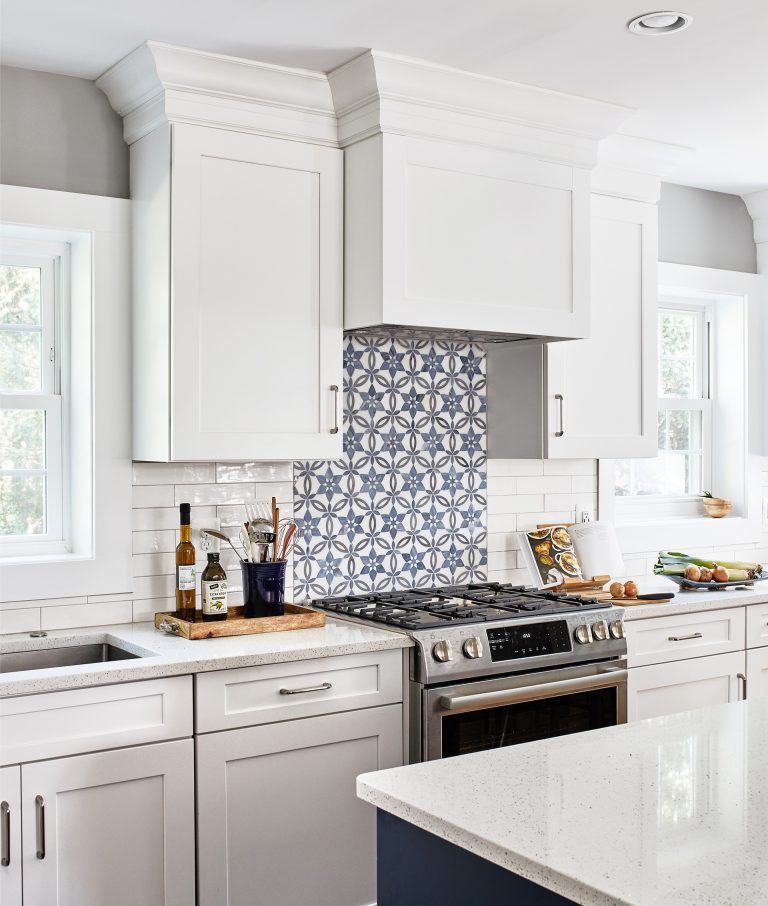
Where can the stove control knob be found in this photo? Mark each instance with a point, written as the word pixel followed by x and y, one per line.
pixel 600 630
pixel 617 629
pixel 442 651
pixel 582 634
pixel 473 647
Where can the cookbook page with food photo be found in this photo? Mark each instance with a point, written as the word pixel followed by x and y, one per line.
pixel 549 555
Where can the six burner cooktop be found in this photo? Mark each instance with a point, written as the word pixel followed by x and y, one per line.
pixel 432 607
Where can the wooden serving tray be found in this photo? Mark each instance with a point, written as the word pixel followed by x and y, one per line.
pixel 295 617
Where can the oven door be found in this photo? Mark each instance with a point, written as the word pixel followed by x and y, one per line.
pixel 488 714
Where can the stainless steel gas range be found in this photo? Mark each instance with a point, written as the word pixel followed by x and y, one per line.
pixel 495 665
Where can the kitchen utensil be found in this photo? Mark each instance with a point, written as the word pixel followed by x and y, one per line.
pixel 263 589
pixel 275 523
pixel 287 544
pixel 247 546
pixel 215 533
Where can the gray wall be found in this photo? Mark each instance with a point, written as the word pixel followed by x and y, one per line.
pixel 707 229
pixel 59 132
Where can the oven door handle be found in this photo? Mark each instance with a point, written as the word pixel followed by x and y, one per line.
pixel 533 693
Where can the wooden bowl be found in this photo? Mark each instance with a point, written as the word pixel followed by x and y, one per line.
pixel 717 507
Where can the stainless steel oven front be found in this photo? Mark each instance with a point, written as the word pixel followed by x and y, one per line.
pixel 483 714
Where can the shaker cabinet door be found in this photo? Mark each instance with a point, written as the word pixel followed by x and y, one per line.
pixel 279 821
pixel 685 685
pixel 10 836
pixel 757 673
pixel 112 828
pixel 600 393
pixel 256 310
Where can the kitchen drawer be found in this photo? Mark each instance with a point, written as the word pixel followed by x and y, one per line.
pixel 34 727
pixel 259 695
pixel 757 625
pixel 674 638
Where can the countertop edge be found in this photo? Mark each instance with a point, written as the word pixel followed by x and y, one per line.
pixel 529 869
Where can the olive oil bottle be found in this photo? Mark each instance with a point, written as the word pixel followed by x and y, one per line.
pixel 185 569
pixel 214 587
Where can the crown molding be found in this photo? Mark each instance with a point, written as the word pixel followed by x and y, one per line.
pixel 159 83
pixel 381 92
pixel 757 205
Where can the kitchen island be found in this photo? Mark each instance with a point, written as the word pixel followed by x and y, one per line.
pixel 662 811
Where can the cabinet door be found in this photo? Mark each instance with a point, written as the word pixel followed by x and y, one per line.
pixel 757 673
pixel 10 836
pixel 256 335
pixel 111 828
pixel 684 685
pixel 600 393
pixel 278 819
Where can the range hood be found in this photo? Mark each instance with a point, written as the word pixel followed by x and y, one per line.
pixel 466 201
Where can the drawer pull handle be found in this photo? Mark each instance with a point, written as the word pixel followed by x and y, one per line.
pixel 743 679
pixel 685 638
pixel 5 832
pixel 321 688
pixel 40 825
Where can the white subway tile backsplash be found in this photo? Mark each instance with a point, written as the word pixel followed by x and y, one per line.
pixel 173 472
pixel 502 522
pixel 165 518
pixel 501 541
pixel 229 493
pixel 528 522
pixel 146 609
pixel 569 501
pixel 254 471
pixel 154 564
pixel 570 467
pixel 584 483
pixel 27 620
pixel 106 599
pixel 154 542
pixel 515 467
pixel 544 484
pixel 502 484
pixel 86 615
pixel 515 503
pixel 146 495
pixel 516 576
pixel 499 560
pixel 154 586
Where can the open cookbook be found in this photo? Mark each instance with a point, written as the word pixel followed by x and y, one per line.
pixel 580 551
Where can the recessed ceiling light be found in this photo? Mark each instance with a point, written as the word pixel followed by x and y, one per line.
pixel 661 23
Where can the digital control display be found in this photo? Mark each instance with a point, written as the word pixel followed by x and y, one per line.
pixel 531 640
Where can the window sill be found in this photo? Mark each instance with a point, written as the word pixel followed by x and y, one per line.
pixel 686 534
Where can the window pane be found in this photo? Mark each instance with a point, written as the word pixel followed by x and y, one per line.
pixel 22 439
pixel 678 430
pixel 670 474
pixel 676 333
pixel 676 377
pixel 19 294
pixel 22 505
pixel 19 360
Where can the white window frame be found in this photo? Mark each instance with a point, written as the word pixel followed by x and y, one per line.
pixel 740 307
pixel 670 506
pixel 96 388
pixel 52 259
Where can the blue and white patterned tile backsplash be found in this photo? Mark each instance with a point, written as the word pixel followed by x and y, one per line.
pixel 406 504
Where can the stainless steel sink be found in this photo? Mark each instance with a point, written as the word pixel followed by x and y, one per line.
pixel 11 661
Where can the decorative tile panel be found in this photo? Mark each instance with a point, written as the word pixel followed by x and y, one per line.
pixel 405 505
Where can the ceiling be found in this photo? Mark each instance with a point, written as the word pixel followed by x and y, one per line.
pixel 705 88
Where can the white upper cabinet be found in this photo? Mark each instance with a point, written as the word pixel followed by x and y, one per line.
pixel 450 236
pixel 237 314
pixel 594 397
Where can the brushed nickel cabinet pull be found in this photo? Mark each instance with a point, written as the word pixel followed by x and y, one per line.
pixel 335 391
pixel 684 638
pixel 559 398
pixel 321 688
pixel 5 834
pixel 40 825
pixel 743 678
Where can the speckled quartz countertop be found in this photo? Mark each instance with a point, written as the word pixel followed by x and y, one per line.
pixel 692 601
pixel 672 810
pixel 165 655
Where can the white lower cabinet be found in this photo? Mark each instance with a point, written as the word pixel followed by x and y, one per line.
pixel 113 827
pixel 685 685
pixel 10 836
pixel 757 673
pixel 279 821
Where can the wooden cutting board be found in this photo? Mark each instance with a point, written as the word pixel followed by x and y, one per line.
pixel 295 617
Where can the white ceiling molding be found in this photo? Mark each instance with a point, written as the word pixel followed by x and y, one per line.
pixel 379 92
pixel 159 83
pixel 757 205
pixel 632 167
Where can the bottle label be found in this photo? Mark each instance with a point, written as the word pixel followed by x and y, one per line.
pixel 215 596
pixel 185 578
